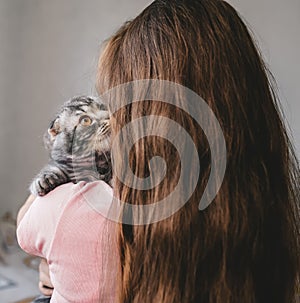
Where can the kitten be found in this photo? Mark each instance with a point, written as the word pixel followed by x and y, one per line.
pixel 78 140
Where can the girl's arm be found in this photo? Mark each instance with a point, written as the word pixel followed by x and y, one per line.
pixel 24 208
pixel 45 284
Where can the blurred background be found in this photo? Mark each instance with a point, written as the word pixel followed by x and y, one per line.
pixel 49 53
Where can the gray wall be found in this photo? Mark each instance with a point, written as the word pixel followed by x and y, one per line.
pixel 49 53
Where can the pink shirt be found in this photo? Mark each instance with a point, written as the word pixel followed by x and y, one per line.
pixel 79 243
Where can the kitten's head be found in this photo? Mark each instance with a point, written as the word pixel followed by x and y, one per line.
pixel 81 127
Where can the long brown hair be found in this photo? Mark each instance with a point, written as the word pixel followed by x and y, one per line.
pixel 245 246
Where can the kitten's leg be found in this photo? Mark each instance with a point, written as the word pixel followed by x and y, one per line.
pixel 49 178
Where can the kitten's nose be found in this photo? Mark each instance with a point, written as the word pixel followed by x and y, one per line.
pixel 107 115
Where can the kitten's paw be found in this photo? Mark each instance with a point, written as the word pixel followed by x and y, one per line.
pixel 45 183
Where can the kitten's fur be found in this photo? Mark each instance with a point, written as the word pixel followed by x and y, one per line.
pixel 78 140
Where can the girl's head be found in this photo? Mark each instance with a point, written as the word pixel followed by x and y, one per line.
pixel 244 247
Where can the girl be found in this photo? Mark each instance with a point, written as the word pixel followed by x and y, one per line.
pixel 244 247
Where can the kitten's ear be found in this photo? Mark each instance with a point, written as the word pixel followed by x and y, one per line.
pixel 53 129
pixel 52 132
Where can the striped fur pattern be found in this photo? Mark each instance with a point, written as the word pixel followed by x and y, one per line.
pixel 78 140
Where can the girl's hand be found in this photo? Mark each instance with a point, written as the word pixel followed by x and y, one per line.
pixel 45 284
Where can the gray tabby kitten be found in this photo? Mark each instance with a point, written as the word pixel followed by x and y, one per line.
pixel 78 140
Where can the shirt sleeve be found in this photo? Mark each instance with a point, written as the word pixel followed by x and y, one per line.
pixel 37 228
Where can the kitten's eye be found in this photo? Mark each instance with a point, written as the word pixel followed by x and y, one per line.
pixel 85 121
